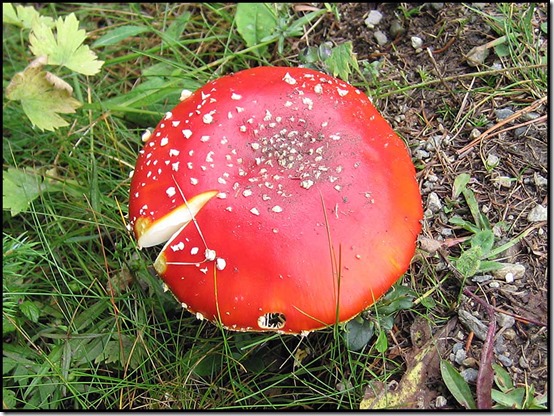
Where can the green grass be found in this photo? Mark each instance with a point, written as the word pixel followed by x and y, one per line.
pixel 87 324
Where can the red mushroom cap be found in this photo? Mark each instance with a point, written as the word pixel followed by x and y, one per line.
pixel 303 201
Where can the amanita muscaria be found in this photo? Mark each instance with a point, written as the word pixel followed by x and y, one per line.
pixel 286 202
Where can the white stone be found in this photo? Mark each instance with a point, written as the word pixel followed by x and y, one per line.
pixel 537 214
pixel 373 19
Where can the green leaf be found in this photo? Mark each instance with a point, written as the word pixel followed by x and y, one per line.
pixel 9 399
pixel 457 220
pixel 502 50
pixel 381 344
pixel 456 385
pixel 489 266
pixel 20 188
pixel 460 184
pixel 342 61
pixel 255 21
pixel 176 28
pixel 209 365
pixel 473 207
pixel 30 310
pixel 512 399
pixel 469 261
pixel 116 35
pixel 111 353
pixel 23 16
pixel 358 333
pixel 483 239
pixel 43 97
pixel 65 48
pixel 502 378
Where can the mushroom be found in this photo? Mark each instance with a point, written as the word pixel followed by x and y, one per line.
pixel 285 200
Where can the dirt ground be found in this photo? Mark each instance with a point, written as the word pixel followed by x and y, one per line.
pixel 431 120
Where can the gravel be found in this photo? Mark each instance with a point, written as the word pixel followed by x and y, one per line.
pixel 537 214
pixel 373 19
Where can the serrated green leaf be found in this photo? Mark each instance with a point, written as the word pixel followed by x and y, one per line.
pixel 342 61
pixel 30 310
pixel 469 261
pixel 20 188
pixel 43 97
pixel 110 354
pixel 457 385
pixel 255 21
pixel 66 47
pixel 483 239
pixel 23 16
pixel 116 35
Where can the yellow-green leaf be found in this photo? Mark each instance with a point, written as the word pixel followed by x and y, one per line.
pixel 65 47
pixel 23 16
pixel 19 189
pixel 43 97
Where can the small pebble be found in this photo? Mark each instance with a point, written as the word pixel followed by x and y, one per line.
pixel 470 362
pixel 523 362
pixel 458 346
pixel 421 154
pixel 396 28
pixel 473 324
pixel 505 321
pixel 510 334
pixel 481 278
pixel 530 116
pixel 460 356
pixel 537 214
pixel 505 360
pixel 417 42
pixel 539 180
pixel 373 19
pixel 469 374
pixel 380 37
pixel 503 181
pixel 433 202
pixel 494 285
pixel 474 134
pixel 440 401
pixel 492 160
pixel 497 230
pixel 500 345
pixel 521 131
pixel 502 113
pixel 517 271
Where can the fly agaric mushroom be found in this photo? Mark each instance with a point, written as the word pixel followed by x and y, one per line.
pixel 286 201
